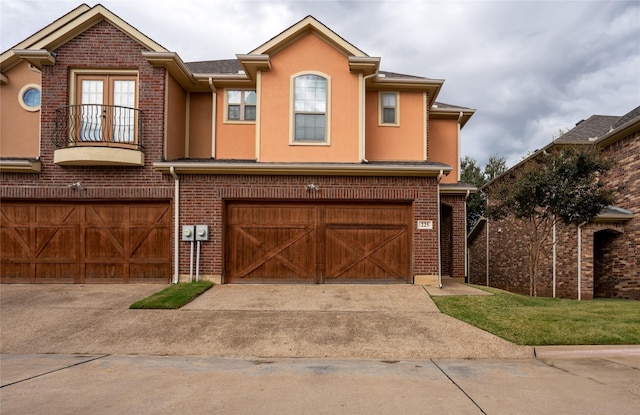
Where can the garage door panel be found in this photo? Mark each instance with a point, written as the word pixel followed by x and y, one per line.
pixel 366 253
pixel 16 243
pixel 55 272
pixel 18 273
pixel 272 252
pixel 104 243
pixel 147 243
pixel 56 244
pixel 57 214
pixel 355 242
pixel 104 272
pixel 85 242
pixel 147 272
pixel 367 215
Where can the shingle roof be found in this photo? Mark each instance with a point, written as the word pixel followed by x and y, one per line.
pixel 589 129
pixel 442 105
pixel 226 66
pixel 232 66
pixel 627 117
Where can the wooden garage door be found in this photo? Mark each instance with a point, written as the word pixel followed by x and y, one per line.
pixel 85 242
pixel 299 242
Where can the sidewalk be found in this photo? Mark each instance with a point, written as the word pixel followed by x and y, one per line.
pixel 81 384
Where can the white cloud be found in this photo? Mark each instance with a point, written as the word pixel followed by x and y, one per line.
pixel 528 67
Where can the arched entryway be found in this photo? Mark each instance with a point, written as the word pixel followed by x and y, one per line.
pixel 606 262
pixel 446 239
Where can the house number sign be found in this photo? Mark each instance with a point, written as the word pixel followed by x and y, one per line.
pixel 425 224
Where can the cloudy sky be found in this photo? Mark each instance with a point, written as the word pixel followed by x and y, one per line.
pixel 529 68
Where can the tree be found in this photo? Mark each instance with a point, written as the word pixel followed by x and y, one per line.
pixel 472 174
pixel 560 184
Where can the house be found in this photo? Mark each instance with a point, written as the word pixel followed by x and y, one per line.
pixel 302 161
pixel 597 259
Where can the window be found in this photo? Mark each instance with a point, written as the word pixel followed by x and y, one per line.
pixel 389 108
pixel 29 97
pixel 310 109
pixel 106 110
pixel 241 105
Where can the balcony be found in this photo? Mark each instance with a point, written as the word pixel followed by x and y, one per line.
pixel 98 135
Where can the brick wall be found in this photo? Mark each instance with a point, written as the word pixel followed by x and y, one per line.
pixel 101 46
pixel 618 266
pixel 609 251
pixel 202 201
pixel 453 235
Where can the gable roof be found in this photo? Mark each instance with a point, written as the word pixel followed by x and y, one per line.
pixel 37 48
pixel 589 129
pixel 304 26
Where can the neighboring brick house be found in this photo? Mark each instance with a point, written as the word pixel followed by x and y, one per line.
pixel 601 255
pixel 305 160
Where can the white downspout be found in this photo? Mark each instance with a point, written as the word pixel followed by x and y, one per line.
pixel 554 257
pixel 176 226
pixel 459 146
pixel 363 117
pixel 487 243
pixel 439 227
pixel 580 260
pixel 214 105
pixel 466 245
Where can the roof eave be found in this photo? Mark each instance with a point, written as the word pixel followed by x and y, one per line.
pixel 283 169
pixel 624 130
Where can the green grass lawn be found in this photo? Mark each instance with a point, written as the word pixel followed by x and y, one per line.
pixel 174 296
pixel 547 321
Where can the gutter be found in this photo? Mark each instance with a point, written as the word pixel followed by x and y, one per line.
pixel 214 94
pixel 176 226
pixel 439 232
pixel 323 169
pixel 580 260
pixel 363 116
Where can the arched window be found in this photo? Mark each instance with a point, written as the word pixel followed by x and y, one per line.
pixel 310 109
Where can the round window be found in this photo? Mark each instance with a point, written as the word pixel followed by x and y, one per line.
pixel 29 97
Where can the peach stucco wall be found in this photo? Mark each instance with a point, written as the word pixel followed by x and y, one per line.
pixel 403 142
pixel 19 128
pixel 200 107
pixel 443 145
pixel 176 120
pixel 309 54
pixel 234 141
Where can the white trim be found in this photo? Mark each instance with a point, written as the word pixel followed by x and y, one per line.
pixel 397 108
pixel 225 97
pixel 258 110
pixel 21 97
pixel 292 118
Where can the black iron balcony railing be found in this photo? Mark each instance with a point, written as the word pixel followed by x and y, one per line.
pixel 95 124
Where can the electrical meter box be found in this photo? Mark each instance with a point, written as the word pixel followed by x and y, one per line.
pixel 202 232
pixel 188 233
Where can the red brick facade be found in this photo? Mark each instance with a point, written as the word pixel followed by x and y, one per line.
pixel 203 197
pixel 609 249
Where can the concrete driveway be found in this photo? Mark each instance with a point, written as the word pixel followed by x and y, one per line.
pixel 255 321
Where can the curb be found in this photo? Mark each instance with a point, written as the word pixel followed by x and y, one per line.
pixel 573 352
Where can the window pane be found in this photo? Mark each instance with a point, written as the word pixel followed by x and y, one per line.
pixel 91 113
pixel 388 100
pixel 124 95
pixel 310 127
pixel 389 115
pixel 310 93
pixel 250 112
pixel 233 97
pixel 233 112
pixel 250 97
pixel 31 97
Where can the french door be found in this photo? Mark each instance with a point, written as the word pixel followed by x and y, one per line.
pixel 107 108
